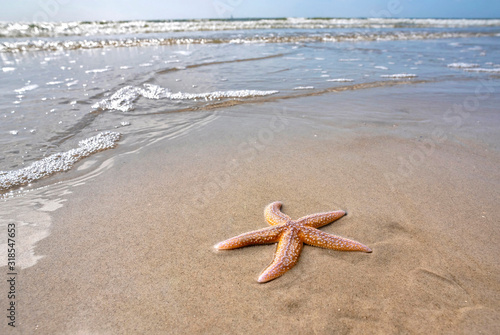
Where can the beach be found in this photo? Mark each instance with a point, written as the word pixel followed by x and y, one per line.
pixel 131 250
pixel 122 242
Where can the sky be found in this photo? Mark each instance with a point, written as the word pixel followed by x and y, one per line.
pixel 90 10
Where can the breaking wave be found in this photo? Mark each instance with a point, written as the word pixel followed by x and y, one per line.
pixel 93 28
pixel 74 44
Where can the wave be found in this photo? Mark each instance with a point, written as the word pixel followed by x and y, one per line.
pixel 462 65
pixel 304 88
pixel 94 28
pixel 26 88
pixel 495 70
pixel 399 76
pixel 302 94
pixel 58 162
pixel 55 45
pixel 340 80
pixel 473 67
pixel 122 100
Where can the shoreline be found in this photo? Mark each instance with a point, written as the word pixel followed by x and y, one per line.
pixel 12 180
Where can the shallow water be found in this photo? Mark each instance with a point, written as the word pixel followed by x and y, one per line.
pixel 66 82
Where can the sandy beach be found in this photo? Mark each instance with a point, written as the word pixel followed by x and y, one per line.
pixel 131 247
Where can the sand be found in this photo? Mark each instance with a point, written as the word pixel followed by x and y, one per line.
pixel 130 250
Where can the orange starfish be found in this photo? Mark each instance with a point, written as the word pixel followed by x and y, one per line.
pixel 291 235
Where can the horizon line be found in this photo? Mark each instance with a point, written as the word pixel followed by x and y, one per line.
pixel 267 18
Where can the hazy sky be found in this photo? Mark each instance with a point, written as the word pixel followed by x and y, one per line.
pixel 69 10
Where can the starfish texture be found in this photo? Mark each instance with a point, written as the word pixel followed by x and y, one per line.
pixel 291 235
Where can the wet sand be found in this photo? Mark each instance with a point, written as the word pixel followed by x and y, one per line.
pixel 131 250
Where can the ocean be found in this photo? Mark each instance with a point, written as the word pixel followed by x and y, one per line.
pixel 70 90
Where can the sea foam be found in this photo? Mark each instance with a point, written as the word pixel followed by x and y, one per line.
pixel 462 65
pixel 480 69
pixel 100 41
pixel 399 75
pixel 59 162
pixel 26 88
pixel 122 100
pixel 340 80
pixel 53 29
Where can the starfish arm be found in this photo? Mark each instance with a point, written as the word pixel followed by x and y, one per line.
pixel 287 255
pixel 262 236
pixel 318 238
pixel 273 214
pixel 321 219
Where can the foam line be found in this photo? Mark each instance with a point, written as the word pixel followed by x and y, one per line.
pixel 58 162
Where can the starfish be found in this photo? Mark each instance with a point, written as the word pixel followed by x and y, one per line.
pixel 291 235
